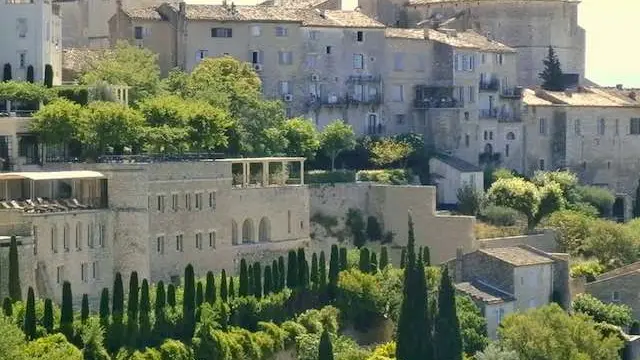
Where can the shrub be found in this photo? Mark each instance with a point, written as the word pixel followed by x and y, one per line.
pixel 588 269
pixel 614 314
pixel 469 200
pixel 571 229
pixel 76 93
pixel 599 197
pixel 488 231
pixel 330 177
pixel 584 208
pixel 500 215
pixel 611 243
pixel 502 173
pixel 387 176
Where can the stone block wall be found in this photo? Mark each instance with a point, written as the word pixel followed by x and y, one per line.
pixel 545 241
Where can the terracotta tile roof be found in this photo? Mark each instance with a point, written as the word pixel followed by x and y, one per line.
pixel 75 59
pixel 517 256
pixel 143 13
pixel 529 97
pixel 587 96
pixel 480 291
pixel 468 40
pixel 353 19
pixel 416 34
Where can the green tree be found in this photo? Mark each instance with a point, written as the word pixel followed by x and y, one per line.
pixel 15 291
pixel 48 76
pixel 303 270
pixel 232 292
pixel 343 259
pixel 104 308
pixel 374 230
pixel 30 75
pixel 426 255
pixel 611 244
pixel 334 272
pixel 30 316
pixel 113 125
pixel 373 268
pixel 550 333
pixel 6 74
pixel 314 271
pixel 495 352
pixel 636 204
pixel 223 286
pixel 66 313
pixel 257 280
pixel 389 151
pixel 275 281
pixel 598 197
pixel 47 317
pixel 199 294
pixel 614 314
pixel 208 126
pixel 171 295
pixel 384 258
pixel 281 272
pixel 167 125
pixel 145 320
pixel 292 270
pixel 552 76
pixel 250 282
pixel 268 278
pixel 403 258
pixel 335 138
pixel 210 289
pixel 132 308
pixel 302 137
pixel 59 122
pixel 447 329
pixel 158 310
pixel 365 261
pixel 189 304
pixel 517 194
pixel 469 200
pixel 571 228
pixel 7 307
pixel 322 271
pixel 84 308
pixel 92 339
pixel 243 289
pixel 125 65
pixel 325 349
pixel 473 326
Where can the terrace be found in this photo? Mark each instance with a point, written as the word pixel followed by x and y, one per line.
pixel 266 172
pixel 435 97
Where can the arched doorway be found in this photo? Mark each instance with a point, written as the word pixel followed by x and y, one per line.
pixel 248 234
pixel 264 230
pixel 234 232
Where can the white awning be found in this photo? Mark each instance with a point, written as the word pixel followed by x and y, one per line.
pixel 51 175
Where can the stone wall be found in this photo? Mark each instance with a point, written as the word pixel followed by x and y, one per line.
pixel 26 263
pixel 545 241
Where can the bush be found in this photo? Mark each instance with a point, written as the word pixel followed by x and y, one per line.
pixel 611 243
pixel 614 314
pixel 78 94
pixel 390 176
pixel 588 269
pixel 330 177
pixel 469 200
pixel 488 231
pixel 571 227
pixel 601 198
pixel 500 215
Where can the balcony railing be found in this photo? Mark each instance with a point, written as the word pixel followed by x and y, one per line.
pixel 363 78
pixel 507 118
pixel 512 92
pixel 364 100
pixel 431 103
pixel 488 114
pixel 491 85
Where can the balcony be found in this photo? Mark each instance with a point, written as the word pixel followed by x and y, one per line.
pixel 512 92
pixel 372 99
pixel 501 116
pixel 435 97
pixel 266 172
pixel 488 114
pixel 359 79
pixel 316 101
pixel 490 85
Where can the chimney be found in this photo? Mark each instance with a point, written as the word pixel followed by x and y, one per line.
pixel 459 274
pixel 619 87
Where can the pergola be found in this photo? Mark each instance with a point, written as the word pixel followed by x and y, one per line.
pixel 265 162
pixel 34 177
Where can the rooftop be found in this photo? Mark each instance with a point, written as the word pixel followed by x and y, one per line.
pixel 459 39
pixel 51 175
pixel 517 256
pixel 294 4
pixel 143 13
pixel 428 2
pixel 457 163
pixel 622 271
pixel 480 291
pixel 583 96
pixel 75 59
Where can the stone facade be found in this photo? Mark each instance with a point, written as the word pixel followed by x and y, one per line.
pixel 619 286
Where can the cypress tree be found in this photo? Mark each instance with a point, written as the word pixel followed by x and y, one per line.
pixel 314 271
pixel 281 274
pixel 145 320
pixel 232 291
pixel 7 307
pixel 84 309
pixel 116 330
pixel 374 263
pixel 171 295
pixel 243 290
pixel 250 288
pixel 325 349
pixel 268 278
pixel 15 291
pixel 210 289
pixel 47 318
pixel 301 267
pixel 132 308
pixel 118 296
pixel 275 277
pixel 365 260
pixel 7 75
pixel 344 262
pixel 224 290
pixel 322 272
pixel 384 258
pixel 48 76
pixel 403 258
pixel 30 76
pixel 66 313
pixel 199 294
pixel 104 308
pixel 30 316
pixel 426 256
pixel 446 328
pixel 334 271
pixel 257 280
pixel 292 270
pixel 160 303
pixel 636 205
pixel 552 76
pixel 189 304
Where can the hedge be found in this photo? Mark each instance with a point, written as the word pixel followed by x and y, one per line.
pixel 330 177
pixel 76 93
pixel 387 176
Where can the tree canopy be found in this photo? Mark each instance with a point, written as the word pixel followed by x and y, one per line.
pixel 335 138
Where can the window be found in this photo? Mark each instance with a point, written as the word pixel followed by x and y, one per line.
pixel 328 49
pixel 102 234
pixel 160 245
pixel 160 203
pixel 311 61
pixel 54 239
pixel 490 135
pixel 483 58
pixel 256 30
pixel 461 94
pixel 179 245
pixel 358 61
pixel 469 62
pixel 543 126
pixel 500 315
pixel 397 93
pixel 95 270
pixel 22 59
pixel 634 126
pixel 506 150
pixel 458 62
pixel 198 201
pixel 199 241
pixel 617 127
pixel 466 140
pixel 221 32
pixel 35 240
pixel 201 55
pixel 420 63
pixel 284 87
pixel 541 164
pixel 472 94
pixel 59 274
pixel 313 35
pixel 511 136
pixel 400 119
pixel 601 127
pixel 289 221
pixel 577 127
pixel 187 201
pixel 212 239
pixel 373 126
pixel 90 235
pixel 282 31
pixel 285 57
pixel 22 27
pixel 83 272
pixel 359 36
pixel 137 33
pixel 499 59
pixel 615 296
pixel 65 237
pixel 174 202
pixel 212 200
pixel 79 236
pixel 486 135
pixel 398 61
pixel 358 92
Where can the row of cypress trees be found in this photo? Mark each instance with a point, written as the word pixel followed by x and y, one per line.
pixel 7 74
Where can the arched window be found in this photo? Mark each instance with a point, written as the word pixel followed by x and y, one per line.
pixel 264 230
pixel 488 149
pixel 511 136
pixel 234 232
pixel 248 234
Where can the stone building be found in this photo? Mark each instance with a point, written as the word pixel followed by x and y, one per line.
pixel 509 279
pixel 618 286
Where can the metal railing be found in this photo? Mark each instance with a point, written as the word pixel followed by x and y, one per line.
pixel 512 92
pixel 488 114
pixel 491 85
pixel 431 103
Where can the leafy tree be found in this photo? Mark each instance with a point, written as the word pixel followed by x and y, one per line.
pixel 174 350
pixel 426 256
pixel 292 270
pixel 199 294
pixel 208 126
pixel 125 65
pixel 7 307
pixel 93 338
pixel 243 289
pixel 384 258
pixel 66 313
pixel 365 260
pixel 343 259
pixel 589 269
pixel 48 76
pixel 325 349
pixel 210 289
pixel 104 308
pixel 403 258
pixel 517 194
pixel 113 125
pixel 614 314
pixel 552 76
pixel 145 308
pixel 47 317
pixel 6 75
pixel 335 138
pixel 84 308
pixel 268 278
pixel 495 352
pixel 611 244
pixel 447 329
pixel 302 137
pixel 51 347
pixel 550 333
pixel 257 280
pixel 250 282
pixel 571 228
pixel 167 125
pixel 389 151
pixel 599 197
pixel 60 121
pixel 322 271
pixel 30 75
pixel 473 326
pixel 469 200
pixel 188 304
pixel 314 271
pixel 30 316
pixel 171 295
pixel 158 309
pixel 374 230
pixel 15 291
